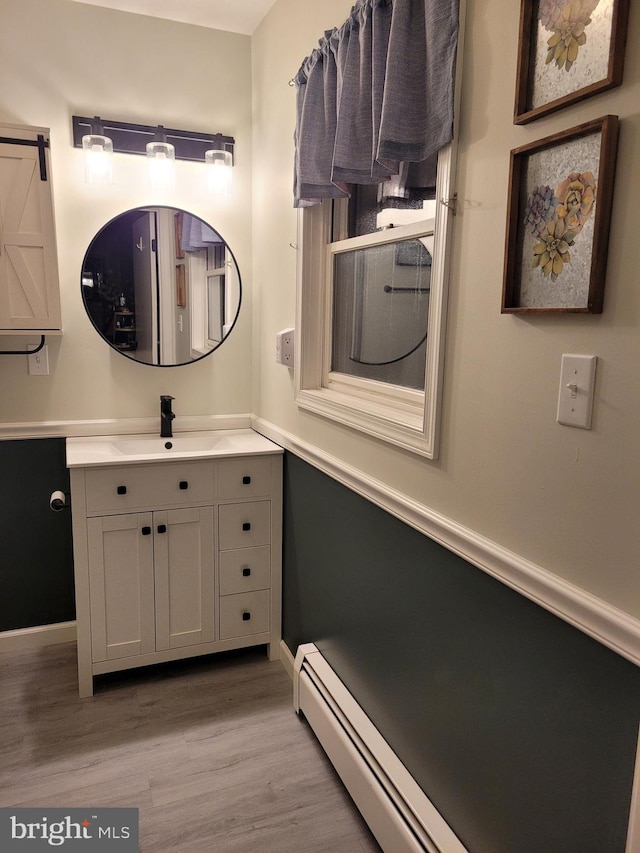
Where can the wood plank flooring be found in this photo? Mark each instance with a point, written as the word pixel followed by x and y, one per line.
pixel 209 750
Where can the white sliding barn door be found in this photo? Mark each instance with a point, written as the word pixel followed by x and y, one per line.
pixel 29 291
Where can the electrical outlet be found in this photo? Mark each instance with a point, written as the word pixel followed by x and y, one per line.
pixel 285 341
pixel 39 362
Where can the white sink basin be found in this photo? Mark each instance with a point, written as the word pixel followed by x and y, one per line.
pixel 194 443
pixel 124 449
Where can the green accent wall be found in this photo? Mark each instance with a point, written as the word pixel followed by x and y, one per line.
pixel 521 729
pixel 36 551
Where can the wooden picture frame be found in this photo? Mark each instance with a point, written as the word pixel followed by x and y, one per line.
pixel 567 52
pixel 558 216
pixel 178 222
pixel 181 289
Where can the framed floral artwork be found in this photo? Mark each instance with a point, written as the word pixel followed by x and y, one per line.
pixel 558 214
pixel 568 50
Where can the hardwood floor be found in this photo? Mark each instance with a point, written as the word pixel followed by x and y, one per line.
pixel 209 750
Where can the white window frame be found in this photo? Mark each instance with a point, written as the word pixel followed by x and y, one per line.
pixel 400 416
pixel 200 274
pixel 197 278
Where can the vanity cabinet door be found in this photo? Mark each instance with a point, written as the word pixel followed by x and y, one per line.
pixel 29 290
pixel 151 580
pixel 184 564
pixel 121 581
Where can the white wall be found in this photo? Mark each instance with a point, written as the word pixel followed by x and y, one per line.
pixel 58 59
pixel 563 498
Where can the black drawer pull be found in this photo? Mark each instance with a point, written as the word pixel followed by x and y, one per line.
pixel 121 490
pixel 162 528
pixel 246 572
pixel 184 484
pixel 246 525
pixel 146 531
pixel 246 481
pixel 246 616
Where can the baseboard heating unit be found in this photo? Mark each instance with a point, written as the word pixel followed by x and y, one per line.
pixel 398 812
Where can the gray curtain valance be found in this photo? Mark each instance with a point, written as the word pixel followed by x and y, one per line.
pixel 197 235
pixel 375 97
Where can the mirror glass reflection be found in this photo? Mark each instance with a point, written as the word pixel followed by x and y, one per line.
pixel 161 286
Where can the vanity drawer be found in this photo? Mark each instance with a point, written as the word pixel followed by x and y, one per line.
pixel 245 570
pixel 244 525
pixel 135 486
pixel 244 614
pixel 244 478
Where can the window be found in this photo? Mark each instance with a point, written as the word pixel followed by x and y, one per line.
pixel 380 298
pixel 372 314
pixel 211 275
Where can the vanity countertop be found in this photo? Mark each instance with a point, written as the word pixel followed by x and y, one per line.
pixel 90 451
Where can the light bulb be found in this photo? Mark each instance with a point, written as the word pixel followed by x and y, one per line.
pixel 219 171
pixel 161 159
pixel 98 156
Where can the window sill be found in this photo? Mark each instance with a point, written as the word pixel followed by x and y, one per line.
pixel 402 428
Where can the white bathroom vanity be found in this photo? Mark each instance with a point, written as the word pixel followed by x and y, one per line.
pixel 177 547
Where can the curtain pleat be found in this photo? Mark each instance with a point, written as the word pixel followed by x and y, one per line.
pixel 375 98
pixel 196 234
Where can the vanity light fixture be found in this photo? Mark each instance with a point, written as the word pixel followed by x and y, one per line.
pixel 159 144
pixel 98 154
pixel 219 165
pixel 160 159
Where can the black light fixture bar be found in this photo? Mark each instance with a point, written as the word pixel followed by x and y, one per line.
pixel 131 138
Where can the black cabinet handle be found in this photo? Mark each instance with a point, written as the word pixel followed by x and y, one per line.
pixel 246 481
pixel 146 531
pixel 162 528
pixel 121 490
pixel 246 572
pixel 246 616
pixel 246 525
pixel 183 484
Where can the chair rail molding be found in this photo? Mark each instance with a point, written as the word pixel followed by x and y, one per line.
pixel 119 426
pixel 614 628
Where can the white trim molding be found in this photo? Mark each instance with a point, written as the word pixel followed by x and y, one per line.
pixel 37 637
pixel 603 622
pixel 633 833
pixel 398 812
pixel 372 407
pixel 120 426
pixel 286 658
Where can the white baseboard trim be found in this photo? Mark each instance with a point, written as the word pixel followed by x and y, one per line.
pixel 286 658
pixel 608 625
pixel 633 832
pixel 39 636
pixel 397 810
pixel 121 426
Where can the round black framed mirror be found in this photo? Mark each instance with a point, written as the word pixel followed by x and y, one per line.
pixel 161 286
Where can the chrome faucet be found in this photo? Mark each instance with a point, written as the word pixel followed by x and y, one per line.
pixel 166 416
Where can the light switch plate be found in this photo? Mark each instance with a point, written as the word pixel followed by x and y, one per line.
pixel 575 396
pixel 39 362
